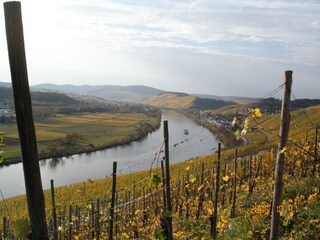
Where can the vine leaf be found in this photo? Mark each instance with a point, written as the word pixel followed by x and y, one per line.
pixel 155 180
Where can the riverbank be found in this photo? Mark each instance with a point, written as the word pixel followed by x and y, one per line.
pixel 66 135
pixel 132 157
pixel 226 137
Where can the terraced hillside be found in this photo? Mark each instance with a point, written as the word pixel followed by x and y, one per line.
pixel 183 101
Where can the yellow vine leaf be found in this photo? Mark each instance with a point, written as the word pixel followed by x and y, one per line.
pixel 283 150
pixel 178 234
pixel 187 168
pixel 125 235
pixel 250 234
pixel 193 179
pixel 225 178
pixel 246 123
pixel 255 113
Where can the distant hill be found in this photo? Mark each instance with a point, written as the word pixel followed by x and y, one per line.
pixel 109 92
pixel 5 84
pixel 268 105
pixel 207 103
pixel 157 97
pixel 51 97
pixel 240 100
pixel 6 94
pixel 128 93
pixel 273 105
pixel 183 101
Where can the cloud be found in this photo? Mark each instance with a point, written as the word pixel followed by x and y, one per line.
pixel 173 42
pixel 124 25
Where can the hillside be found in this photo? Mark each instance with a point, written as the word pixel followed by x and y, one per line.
pixel 5 84
pixel 6 94
pixel 128 93
pixel 272 105
pixel 239 100
pixel 183 101
pixel 109 92
pixel 267 105
pixel 54 98
pixel 170 100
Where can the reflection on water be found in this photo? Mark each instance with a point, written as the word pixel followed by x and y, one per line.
pixel 53 162
pixel 131 157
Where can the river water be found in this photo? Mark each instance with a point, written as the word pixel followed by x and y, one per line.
pixel 132 157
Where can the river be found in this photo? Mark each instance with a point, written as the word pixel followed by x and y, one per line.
pixel 132 157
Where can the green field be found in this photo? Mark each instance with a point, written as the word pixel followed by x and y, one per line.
pixel 67 134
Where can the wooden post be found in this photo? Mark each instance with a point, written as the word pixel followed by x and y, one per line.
pixel 54 212
pixel 116 217
pixel 250 174
pixel 144 218
pixel 133 200
pixel 93 221
pixel 97 220
pixel 113 197
pixel 187 193
pixel 60 224
pixel 224 182
pixel 279 170
pixel 167 168
pixel 315 152
pixel 163 186
pixel 77 218
pixel 201 193
pixel 233 207
pixel 70 222
pixel 64 223
pixel 216 194
pixel 22 100
pixel 4 228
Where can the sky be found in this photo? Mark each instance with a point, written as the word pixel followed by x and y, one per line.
pixel 218 47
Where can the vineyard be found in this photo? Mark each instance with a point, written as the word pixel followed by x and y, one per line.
pixel 243 190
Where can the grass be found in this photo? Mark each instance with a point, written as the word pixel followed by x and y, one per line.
pixel 67 134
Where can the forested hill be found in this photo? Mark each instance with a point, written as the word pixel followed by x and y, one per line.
pixel 6 94
pixel 108 92
pixel 131 93
pixel 207 103
pixel 51 97
pixel 273 105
